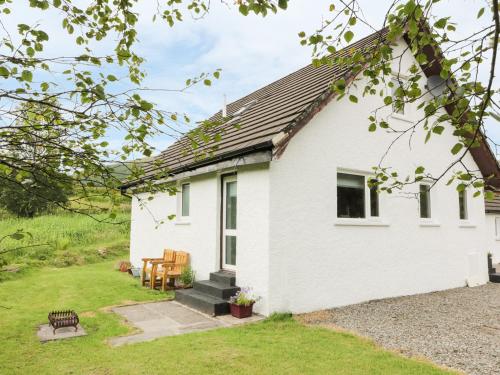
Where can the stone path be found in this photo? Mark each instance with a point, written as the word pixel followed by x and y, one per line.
pixel 169 318
pixel 458 328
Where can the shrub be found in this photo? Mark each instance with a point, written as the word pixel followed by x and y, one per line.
pixel 187 276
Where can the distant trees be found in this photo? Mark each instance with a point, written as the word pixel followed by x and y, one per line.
pixel 33 180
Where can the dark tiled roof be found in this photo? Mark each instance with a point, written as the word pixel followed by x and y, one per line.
pixel 282 106
pixel 263 114
pixel 493 206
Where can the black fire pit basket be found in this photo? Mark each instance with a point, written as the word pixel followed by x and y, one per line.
pixel 60 319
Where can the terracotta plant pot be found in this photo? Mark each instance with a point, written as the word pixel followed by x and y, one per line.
pixel 241 311
pixel 124 266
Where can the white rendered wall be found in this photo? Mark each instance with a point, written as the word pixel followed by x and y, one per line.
pixel 200 235
pixel 253 233
pixel 316 263
pixel 494 241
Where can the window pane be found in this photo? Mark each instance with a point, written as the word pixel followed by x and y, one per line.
pixel 373 201
pixel 231 250
pixel 185 199
pixel 396 106
pixel 350 196
pixel 462 204
pixel 231 205
pixel 350 180
pixel 425 202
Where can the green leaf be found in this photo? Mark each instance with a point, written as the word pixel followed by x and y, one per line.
pixel 353 98
pixel 456 149
pixel 27 76
pixel 388 100
pixel 372 127
pixel 243 9
pixel 480 13
pixel 283 4
pixel 4 72
pixel 348 36
pixel 419 170
pixel 111 78
pixel 207 82
pixel 146 106
pixel 489 195
pixel 438 129
pixel 441 23
pixel 17 236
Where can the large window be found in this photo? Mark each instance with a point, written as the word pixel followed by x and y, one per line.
pixel 185 190
pixel 462 205
pixel 425 201
pixel 352 197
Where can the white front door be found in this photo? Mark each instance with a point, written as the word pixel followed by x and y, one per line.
pixel 229 231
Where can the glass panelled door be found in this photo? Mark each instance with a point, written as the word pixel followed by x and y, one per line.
pixel 229 232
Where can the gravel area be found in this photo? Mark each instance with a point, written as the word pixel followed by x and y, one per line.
pixel 457 328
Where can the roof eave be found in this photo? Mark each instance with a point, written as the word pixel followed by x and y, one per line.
pixel 267 145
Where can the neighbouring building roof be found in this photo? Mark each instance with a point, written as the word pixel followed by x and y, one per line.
pixel 493 206
pixel 278 108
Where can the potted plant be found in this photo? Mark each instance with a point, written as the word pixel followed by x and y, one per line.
pixel 187 277
pixel 241 304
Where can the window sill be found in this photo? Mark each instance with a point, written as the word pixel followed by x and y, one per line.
pixel 361 222
pixel 466 224
pixel 182 222
pixel 400 117
pixel 429 223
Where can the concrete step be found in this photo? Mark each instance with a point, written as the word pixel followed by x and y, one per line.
pixel 224 277
pixel 202 302
pixel 495 277
pixel 215 289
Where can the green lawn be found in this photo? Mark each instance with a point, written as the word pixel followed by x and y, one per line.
pixel 65 238
pixel 270 347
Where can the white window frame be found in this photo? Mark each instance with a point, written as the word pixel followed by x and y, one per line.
pixel 497 228
pixel 180 218
pixel 468 222
pixel 368 220
pixel 407 114
pixel 432 220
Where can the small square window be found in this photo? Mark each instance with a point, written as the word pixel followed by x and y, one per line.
pixel 462 205
pixel 185 190
pixel 425 201
pixel 396 91
pixel 350 196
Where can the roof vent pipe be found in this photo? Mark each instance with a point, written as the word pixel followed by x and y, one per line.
pixel 224 107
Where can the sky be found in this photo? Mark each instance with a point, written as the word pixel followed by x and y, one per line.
pixel 251 51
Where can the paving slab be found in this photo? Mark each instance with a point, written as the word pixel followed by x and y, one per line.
pixel 46 333
pixel 169 318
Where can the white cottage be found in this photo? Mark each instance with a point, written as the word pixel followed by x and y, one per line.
pixel 283 204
